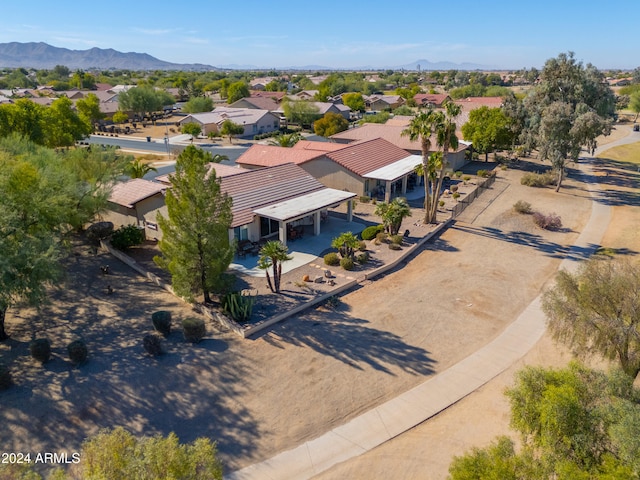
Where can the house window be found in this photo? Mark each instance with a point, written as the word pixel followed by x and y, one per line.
pixel 241 233
pixel 255 128
pixel 268 226
pixel 152 226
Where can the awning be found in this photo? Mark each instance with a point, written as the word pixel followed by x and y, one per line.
pixel 396 170
pixel 303 205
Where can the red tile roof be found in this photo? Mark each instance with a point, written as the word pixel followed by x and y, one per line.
pixel 269 155
pixel 259 188
pixel 368 155
pixel 221 170
pixel 318 146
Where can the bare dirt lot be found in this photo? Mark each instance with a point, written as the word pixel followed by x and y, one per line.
pixel 304 376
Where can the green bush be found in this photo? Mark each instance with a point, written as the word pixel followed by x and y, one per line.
pixel 347 263
pixel 441 203
pixel 332 259
pixel 162 322
pixel 455 195
pixel 381 237
pixel 370 233
pixel 238 306
pixel 458 173
pixel 522 207
pixel 193 329
pixel 99 231
pixel 365 199
pixel 362 258
pixel 394 246
pixel 78 352
pixel 40 349
pixel 531 179
pixel 397 239
pixel 127 236
pixel 466 178
pixel 152 344
pixel 5 377
pixel 362 246
pixel 482 173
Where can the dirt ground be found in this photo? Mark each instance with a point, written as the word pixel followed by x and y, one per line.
pixel 303 376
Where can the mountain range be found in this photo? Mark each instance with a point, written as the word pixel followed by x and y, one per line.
pixel 41 55
pixel 44 56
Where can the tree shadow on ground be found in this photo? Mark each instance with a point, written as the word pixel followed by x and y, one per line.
pixel 531 240
pixel 353 342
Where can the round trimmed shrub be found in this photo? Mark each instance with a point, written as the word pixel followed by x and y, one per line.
pixel 78 352
pixel 162 322
pixel 193 329
pixel 99 231
pixel 40 349
pixel 152 344
pixel 5 377
pixel 381 237
pixel 347 263
pixel 362 246
pixel 127 236
pixel 370 233
pixel 362 258
pixel 394 246
pixel 331 259
pixel 397 239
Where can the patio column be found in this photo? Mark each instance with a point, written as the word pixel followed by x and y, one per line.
pixel 349 211
pixel 316 223
pixel 387 191
pixel 282 232
pixel 404 185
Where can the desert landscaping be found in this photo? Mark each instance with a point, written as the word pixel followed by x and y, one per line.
pixel 322 367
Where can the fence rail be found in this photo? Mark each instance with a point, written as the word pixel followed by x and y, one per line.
pixel 466 201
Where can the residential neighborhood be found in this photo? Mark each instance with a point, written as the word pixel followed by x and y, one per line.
pixel 238 272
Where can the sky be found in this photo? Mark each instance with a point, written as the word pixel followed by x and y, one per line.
pixel 338 34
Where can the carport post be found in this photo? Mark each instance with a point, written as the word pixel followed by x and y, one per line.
pixel 349 211
pixel 282 232
pixel 316 223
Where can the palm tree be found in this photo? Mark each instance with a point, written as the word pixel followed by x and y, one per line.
pixel 345 243
pixel 421 128
pixel 285 140
pixel 272 254
pixel 393 213
pixel 137 169
pixel 217 158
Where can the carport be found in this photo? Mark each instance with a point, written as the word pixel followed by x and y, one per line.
pixel 390 174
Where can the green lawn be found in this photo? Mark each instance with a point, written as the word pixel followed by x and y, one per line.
pixel 624 153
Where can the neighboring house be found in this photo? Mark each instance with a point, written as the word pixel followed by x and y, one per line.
pixel 137 202
pixel 471 103
pixel 434 100
pixel 305 95
pixel 277 96
pixel 393 134
pixel 620 82
pixel 264 202
pixel 253 120
pixel 400 120
pixel 257 103
pixel 373 167
pixel 383 102
pixel 261 83
pixel 340 109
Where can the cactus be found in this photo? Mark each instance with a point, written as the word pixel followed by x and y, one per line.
pixel 162 322
pixel 193 329
pixel 77 352
pixel 238 306
pixel 40 349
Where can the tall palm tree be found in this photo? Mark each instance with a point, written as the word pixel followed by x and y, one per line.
pixel 137 169
pixel 272 254
pixel 422 128
pixel 285 140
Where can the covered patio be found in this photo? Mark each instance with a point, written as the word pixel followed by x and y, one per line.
pixel 396 172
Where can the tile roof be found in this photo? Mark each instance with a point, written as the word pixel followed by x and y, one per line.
pixel 240 116
pixel 435 98
pixel 400 120
pixel 269 155
pixel 368 155
pixel 266 186
pixel 260 103
pixel 318 146
pixel 221 170
pixel 133 191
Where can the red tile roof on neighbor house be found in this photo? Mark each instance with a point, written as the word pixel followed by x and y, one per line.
pixel 477 102
pixel 269 155
pixel 434 98
pixel 259 188
pixel 133 191
pixel 318 146
pixel 368 155
pixel 221 170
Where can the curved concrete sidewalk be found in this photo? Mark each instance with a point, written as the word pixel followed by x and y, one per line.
pixel 413 407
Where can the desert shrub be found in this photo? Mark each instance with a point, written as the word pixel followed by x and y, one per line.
pixel 466 178
pixel 331 259
pixel 483 173
pixel 453 188
pixel 362 246
pixel 549 221
pixel 455 195
pixel 365 199
pixel 152 344
pixel 347 263
pixel 394 246
pixel 531 179
pixel 99 231
pixel 127 236
pixel 458 173
pixel 381 237
pixel 397 239
pixel 370 233
pixel 441 203
pixel 362 258
pixel 193 329
pixel 238 306
pixel 5 377
pixel 77 351
pixel 522 207
pixel 162 322
pixel 40 349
